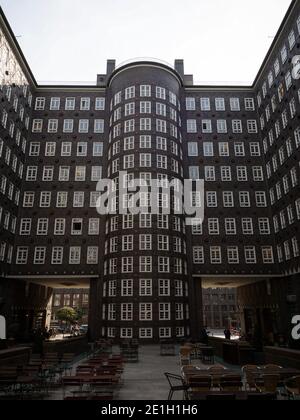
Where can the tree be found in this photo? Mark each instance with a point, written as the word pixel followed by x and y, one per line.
pixel 68 315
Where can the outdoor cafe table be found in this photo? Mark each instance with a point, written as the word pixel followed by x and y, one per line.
pixel 93 378
pixel 284 373
pixel 215 374
pixel 240 395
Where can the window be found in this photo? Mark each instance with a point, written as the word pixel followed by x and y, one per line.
pixel 252 126
pixel 190 104
pixel 191 126
pixel 206 126
pixel 39 255
pixel 145 107
pixel 233 255
pixel 55 104
pixel 100 104
pixel 37 126
pixel 127 288
pixel 235 104
pixel 250 255
pixel 205 104
pixel 25 227
pixel 164 311
pixel 222 126
pixel 96 173
pixel 215 255
pixel 99 126
pixel 83 126
pixel 52 126
pixel 193 149
pixel 145 287
pixel 85 104
pixel 57 255
pixel 40 104
pixel 145 90
pixel 267 254
pixel 130 92
pixel 70 104
pixel 68 126
pixel 208 149
pixel 126 311
pixel 249 104
pixel 75 255
pixel 198 255
pixel 82 149
pixel 59 227
pixel 220 104
pixel 98 149
pixel 45 199
pixel 22 255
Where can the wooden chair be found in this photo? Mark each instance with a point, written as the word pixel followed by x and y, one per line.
pixel 231 383
pixel 176 384
pixel 271 368
pixel 208 355
pixel 221 397
pixel 185 353
pixel 251 372
pixel 217 372
pixel 267 383
pixel 200 384
pixel 292 387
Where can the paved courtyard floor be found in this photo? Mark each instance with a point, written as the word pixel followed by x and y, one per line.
pixel 145 380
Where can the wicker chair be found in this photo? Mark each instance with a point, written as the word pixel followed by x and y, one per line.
pixel 292 387
pixel 267 383
pixel 251 372
pixel 231 383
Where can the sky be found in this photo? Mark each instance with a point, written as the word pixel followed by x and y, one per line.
pixel 221 41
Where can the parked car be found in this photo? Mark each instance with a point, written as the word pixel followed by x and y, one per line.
pixel 83 329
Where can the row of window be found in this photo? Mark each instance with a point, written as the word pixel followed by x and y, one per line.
pixel 82 148
pixel 146 312
pixel 287 216
pixel 145 288
pixel 145 142
pixel 145 107
pixel 220 104
pixel 11 125
pixel 9 189
pixel 284 185
pixel 286 114
pixel 233 255
pixel 57 255
pixel 206 126
pixel 63 173
pixel 11 159
pixel 68 126
pixel 146 265
pixel 283 153
pixel 145 160
pixel 70 104
pixel 145 333
pixel 228 173
pixel 224 149
pixel 291 42
pixel 144 91
pixel 146 242
pixel 229 226
pixel 145 124
pixel 70 300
